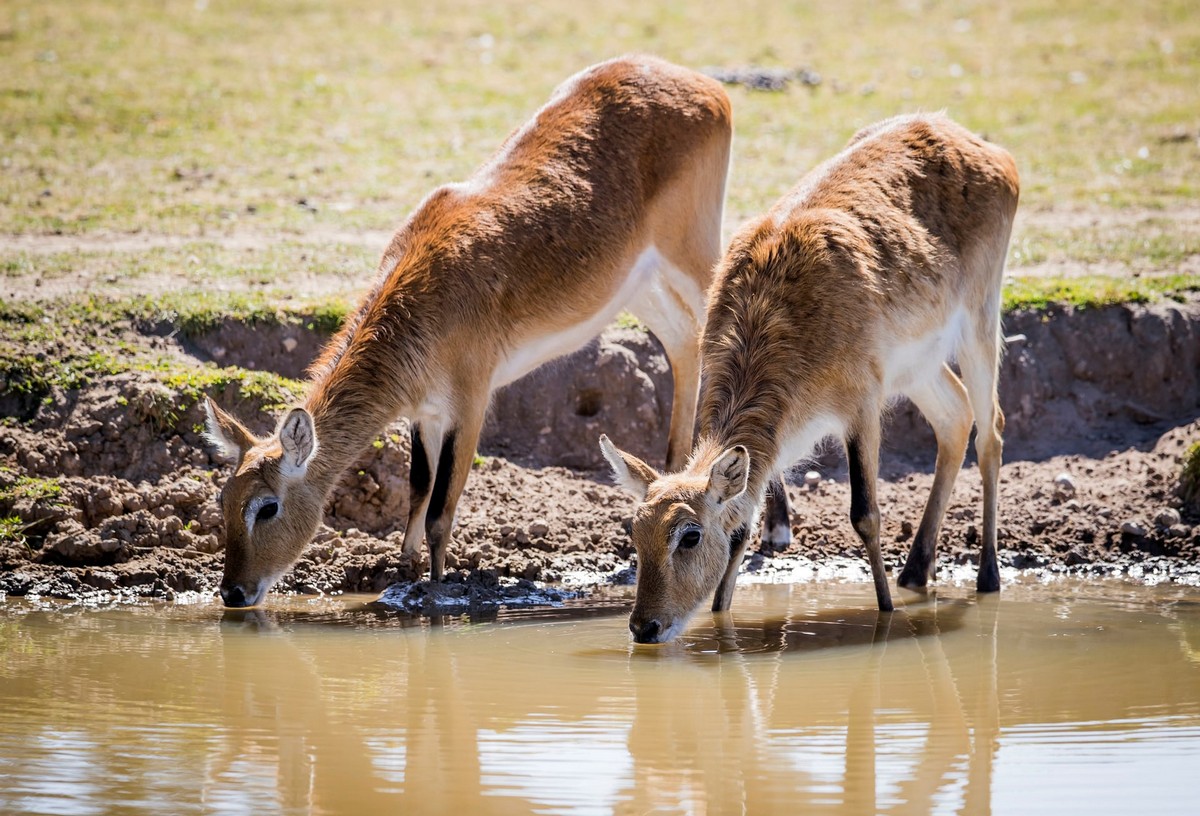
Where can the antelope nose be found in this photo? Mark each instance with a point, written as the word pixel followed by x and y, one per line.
pixel 644 631
pixel 233 596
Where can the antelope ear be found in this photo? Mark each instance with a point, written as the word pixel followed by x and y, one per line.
pixel 728 478
pixel 298 438
pixel 630 472
pixel 223 432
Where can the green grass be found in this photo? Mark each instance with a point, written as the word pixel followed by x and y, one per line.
pixel 196 119
pixel 276 264
pixel 31 488
pixel 33 376
pixel 68 345
pixel 1147 245
pixel 12 529
pixel 188 311
pixel 627 320
pixel 196 312
pixel 1091 292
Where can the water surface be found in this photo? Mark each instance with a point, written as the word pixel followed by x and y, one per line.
pixel 1066 698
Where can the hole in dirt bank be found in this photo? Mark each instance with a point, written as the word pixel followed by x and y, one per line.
pixel 589 403
pixel 1076 380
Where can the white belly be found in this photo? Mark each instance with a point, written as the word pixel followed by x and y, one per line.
pixel 919 360
pixel 534 351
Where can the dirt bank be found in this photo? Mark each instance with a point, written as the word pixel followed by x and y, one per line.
pixel 105 487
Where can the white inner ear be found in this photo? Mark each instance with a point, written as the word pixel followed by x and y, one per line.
pixel 620 469
pixel 299 441
pixel 729 476
pixel 213 435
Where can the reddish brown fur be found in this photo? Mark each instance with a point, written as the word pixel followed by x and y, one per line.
pixel 629 154
pixel 896 241
pixel 872 251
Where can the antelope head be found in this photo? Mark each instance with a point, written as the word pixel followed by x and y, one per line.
pixel 682 529
pixel 271 509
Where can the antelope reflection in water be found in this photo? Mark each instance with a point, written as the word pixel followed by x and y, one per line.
pixel 328 706
pixel 728 730
pixel 729 745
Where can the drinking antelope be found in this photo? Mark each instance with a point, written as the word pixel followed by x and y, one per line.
pixel 611 196
pixel 881 265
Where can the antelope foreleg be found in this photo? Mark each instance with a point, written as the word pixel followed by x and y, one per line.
pixel 723 597
pixel 454 465
pixel 862 451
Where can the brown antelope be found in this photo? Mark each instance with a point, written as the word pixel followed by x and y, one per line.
pixel 862 282
pixel 611 196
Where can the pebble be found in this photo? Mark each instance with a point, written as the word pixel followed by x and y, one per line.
pixel 1064 485
pixel 811 479
pixel 539 528
pixel 1133 527
pixel 289 344
pixel 1167 517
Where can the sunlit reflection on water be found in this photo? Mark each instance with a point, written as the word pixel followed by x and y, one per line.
pixel 1048 699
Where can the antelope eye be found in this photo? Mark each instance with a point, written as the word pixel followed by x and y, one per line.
pixel 268 510
pixel 689 539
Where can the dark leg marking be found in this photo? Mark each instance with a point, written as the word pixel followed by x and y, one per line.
pixel 441 483
pixel 864 515
pixel 723 597
pixel 418 468
pixel 735 541
pixel 860 494
pixel 776 515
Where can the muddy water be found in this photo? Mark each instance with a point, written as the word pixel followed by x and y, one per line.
pixel 1050 699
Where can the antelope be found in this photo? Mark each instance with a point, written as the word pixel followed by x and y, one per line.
pixel 610 197
pixel 864 281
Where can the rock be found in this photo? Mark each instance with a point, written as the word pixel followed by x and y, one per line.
pixel 1167 517
pixel 1133 527
pixel 75 544
pixel 187 493
pixel 289 344
pixel 539 529
pixel 208 543
pixel 811 479
pixel 103 504
pixel 1064 486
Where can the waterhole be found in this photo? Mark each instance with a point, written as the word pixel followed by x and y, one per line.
pixel 1065 698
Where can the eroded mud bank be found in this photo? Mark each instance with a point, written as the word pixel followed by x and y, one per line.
pixel 106 487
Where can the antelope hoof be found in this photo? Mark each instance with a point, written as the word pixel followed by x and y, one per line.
pixel 915 579
pixel 988 580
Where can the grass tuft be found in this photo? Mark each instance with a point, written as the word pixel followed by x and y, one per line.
pixel 12 530
pixel 1038 294
pixel 27 488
